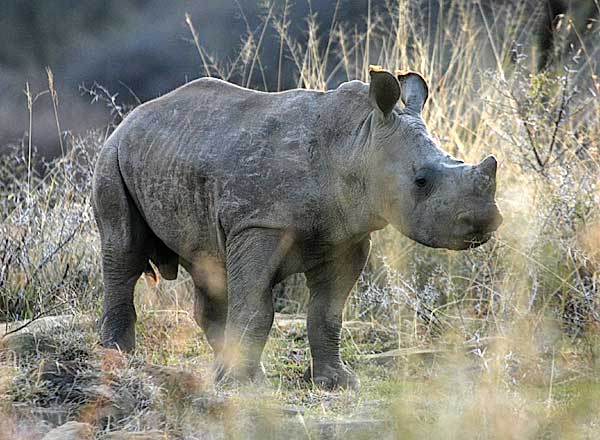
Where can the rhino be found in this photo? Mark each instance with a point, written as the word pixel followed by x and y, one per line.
pixel 243 188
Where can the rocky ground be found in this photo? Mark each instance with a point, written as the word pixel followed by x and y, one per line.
pixel 57 383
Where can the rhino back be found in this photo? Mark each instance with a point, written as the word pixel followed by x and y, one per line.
pixel 211 157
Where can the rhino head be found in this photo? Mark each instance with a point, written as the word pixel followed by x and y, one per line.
pixel 424 192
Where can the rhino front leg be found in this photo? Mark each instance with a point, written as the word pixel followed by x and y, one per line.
pixel 330 285
pixel 253 259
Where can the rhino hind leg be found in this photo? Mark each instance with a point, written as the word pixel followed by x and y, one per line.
pixel 126 244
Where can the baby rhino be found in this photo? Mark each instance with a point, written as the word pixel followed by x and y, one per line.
pixel 244 188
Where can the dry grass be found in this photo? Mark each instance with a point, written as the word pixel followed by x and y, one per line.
pixel 497 342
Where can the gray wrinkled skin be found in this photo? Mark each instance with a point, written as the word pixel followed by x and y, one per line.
pixel 243 188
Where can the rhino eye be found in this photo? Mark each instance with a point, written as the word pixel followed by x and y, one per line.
pixel 421 182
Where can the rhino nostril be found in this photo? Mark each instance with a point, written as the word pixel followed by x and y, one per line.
pixel 478 224
pixel 469 223
pixel 463 218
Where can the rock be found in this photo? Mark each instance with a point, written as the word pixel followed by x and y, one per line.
pixel 352 429
pixel 45 324
pixel 291 410
pixel 18 425
pixel 467 346
pixel 53 416
pixel 71 431
pixel 104 406
pixel 175 381
pixel 33 337
pixel 209 403
pixel 142 435
pixel 26 343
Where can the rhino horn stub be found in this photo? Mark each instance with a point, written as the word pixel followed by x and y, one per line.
pixel 488 166
pixel 414 90
pixel 384 90
pixel 486 171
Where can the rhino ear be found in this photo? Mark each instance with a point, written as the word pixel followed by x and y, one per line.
pixel 414 90
pixel 384 90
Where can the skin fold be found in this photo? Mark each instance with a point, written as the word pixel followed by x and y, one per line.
pixel 244 188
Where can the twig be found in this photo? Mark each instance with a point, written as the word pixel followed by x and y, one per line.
pixel 188 20
pixel 258 45
pixel 54 97
pixel 558 120
pixel 30 111
pixel 32 320
pixel 45 312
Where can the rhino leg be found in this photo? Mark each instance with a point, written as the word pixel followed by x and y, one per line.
pixel 330 285
pixel 125 240
pixel 210 312
pixel 253 259
pixel 210 301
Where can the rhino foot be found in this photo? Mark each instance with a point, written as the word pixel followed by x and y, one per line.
pixel 118 329
pixel 235 376
pixel 124 343
pixel 331 377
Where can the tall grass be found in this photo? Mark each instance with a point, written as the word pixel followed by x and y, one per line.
pixel 49 248
pixel 496 342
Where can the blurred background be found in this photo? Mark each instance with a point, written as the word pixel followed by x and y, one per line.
pixel 121 52
pixel 135 49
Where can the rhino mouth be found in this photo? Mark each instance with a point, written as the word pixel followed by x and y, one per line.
pixel 460 243
pixel 477 240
